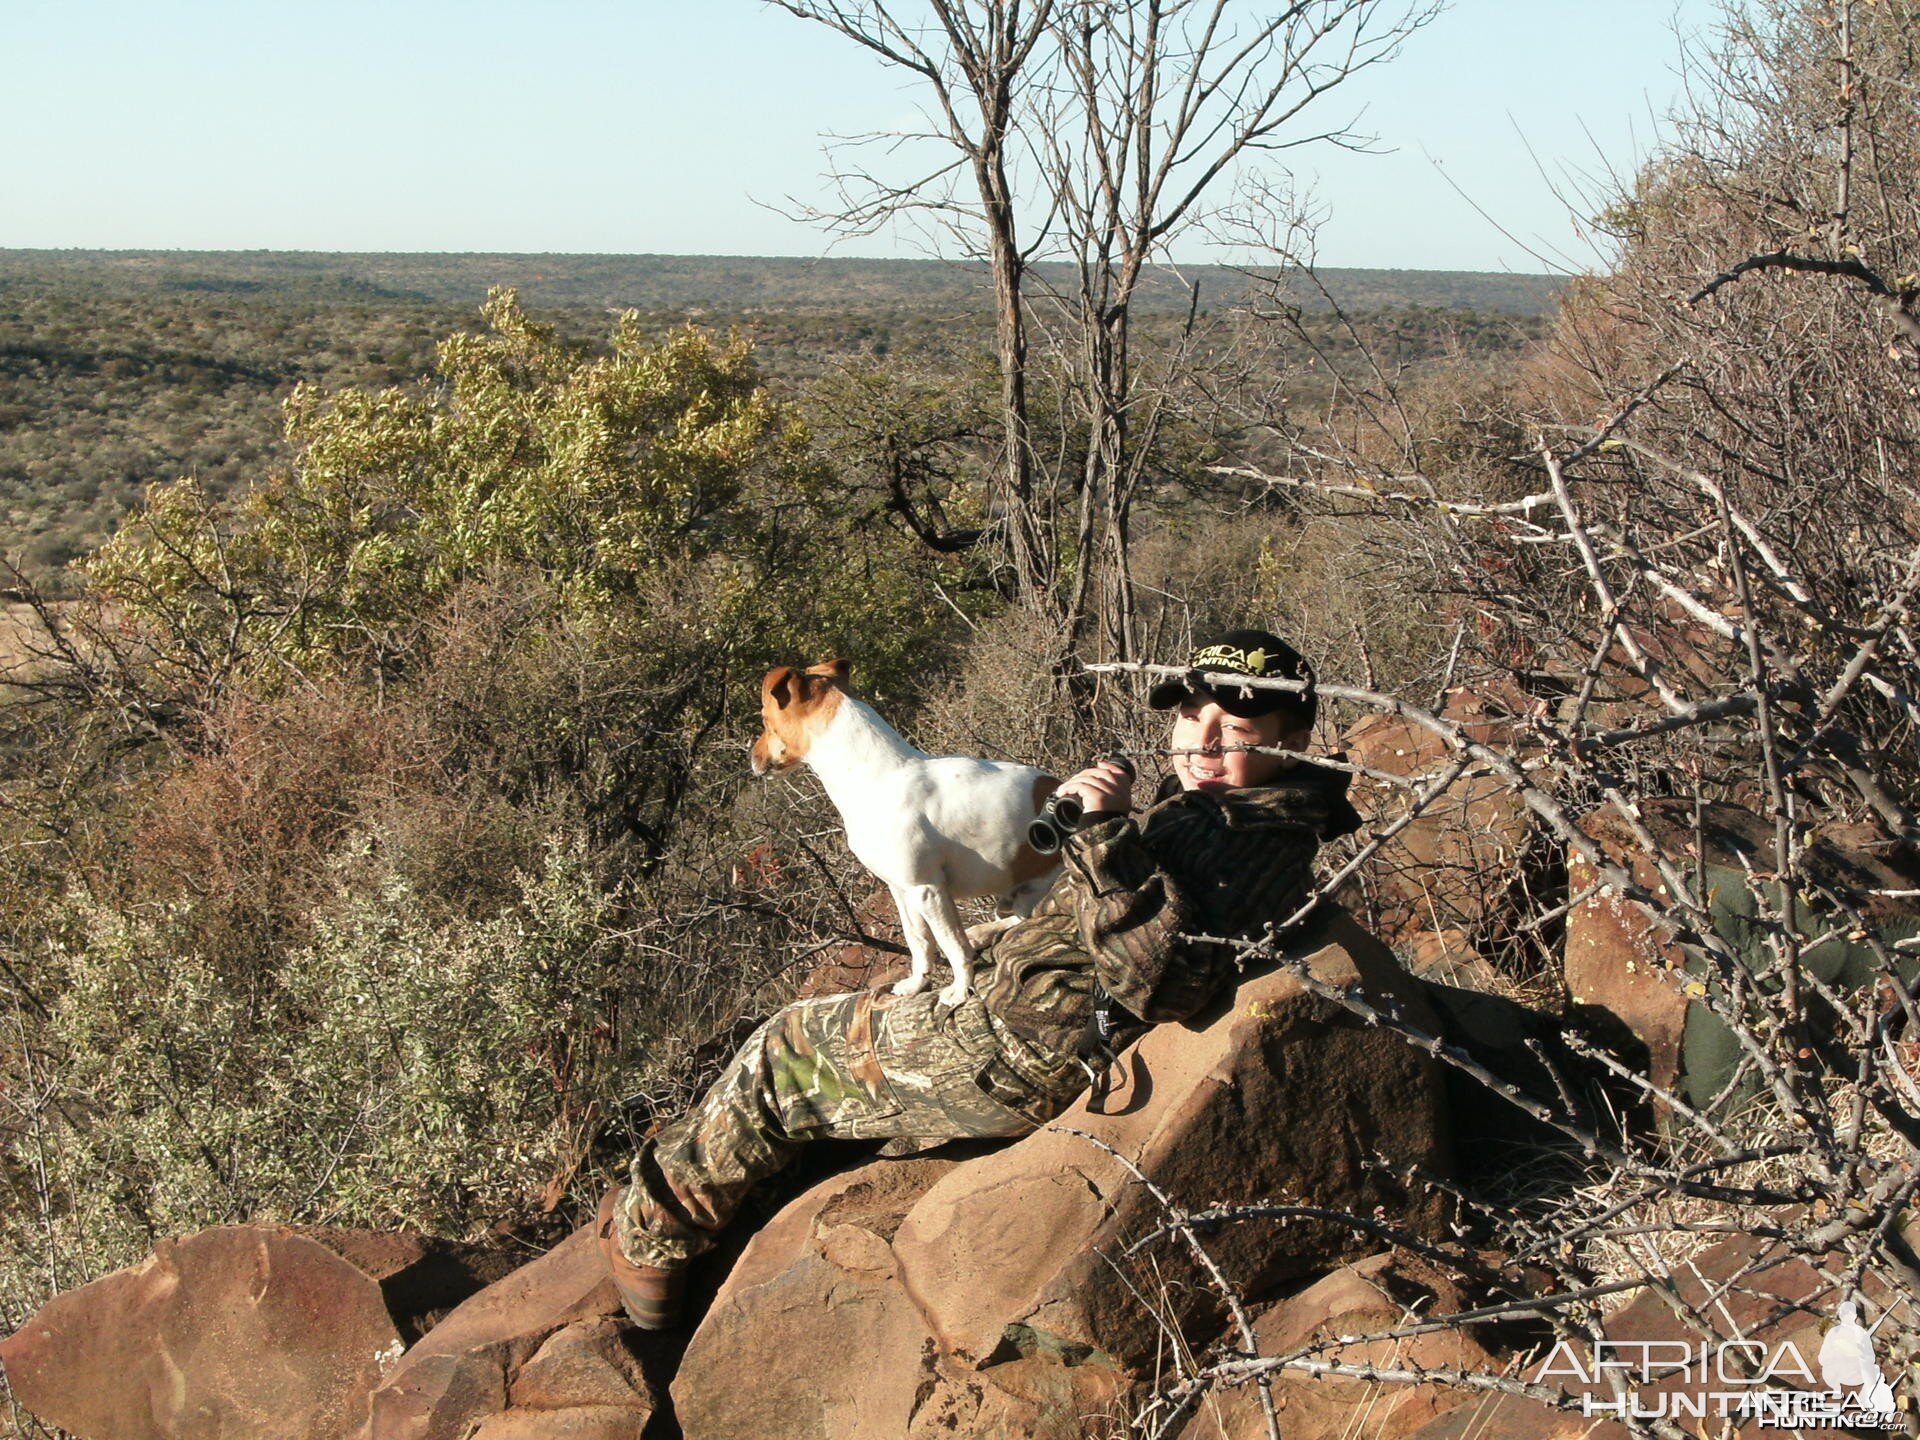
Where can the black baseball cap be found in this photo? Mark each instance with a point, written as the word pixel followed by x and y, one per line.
pixel 1243 652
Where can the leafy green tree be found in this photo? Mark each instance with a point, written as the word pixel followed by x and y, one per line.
pixel 604 475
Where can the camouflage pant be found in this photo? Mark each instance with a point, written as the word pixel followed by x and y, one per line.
pixel 846 1067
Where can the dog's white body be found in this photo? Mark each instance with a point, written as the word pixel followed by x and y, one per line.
pixel 934 828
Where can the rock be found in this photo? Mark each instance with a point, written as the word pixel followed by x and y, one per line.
pixel 1353 1301
pixel 1515 1044
pixel 545 1341
pixel 1767 1306
pixel 814 1312
pixel 1749 1287
pixel 1439 886
pixel 1023 1399
pixel 862 966
pixel 1614 959
pixel 839 1348
pixel 421 1277
pixel 586 1422
pixel 992 1297
pixel 236 1332
pixel 1278 1096
pixel 1448 957
pixel 1514 1417
pixel 585 1365
pixel 1626 968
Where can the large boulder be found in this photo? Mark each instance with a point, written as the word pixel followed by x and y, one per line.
pixel 817 1287
pixel 1440 892
pixel 1331 1321
pixel 1002 1295
pixel 1623 967
pixel 543 1353
pixel 239 1331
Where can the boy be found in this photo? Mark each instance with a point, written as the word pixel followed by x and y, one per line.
pixel 1226 849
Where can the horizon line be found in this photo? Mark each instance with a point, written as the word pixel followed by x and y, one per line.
pixel 137 250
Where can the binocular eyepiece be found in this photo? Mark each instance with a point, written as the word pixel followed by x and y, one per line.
pixel 1062 814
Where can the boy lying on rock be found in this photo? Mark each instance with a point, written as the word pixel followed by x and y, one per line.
pixel 1226 849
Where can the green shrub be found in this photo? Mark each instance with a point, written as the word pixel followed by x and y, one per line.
pixel 396 1071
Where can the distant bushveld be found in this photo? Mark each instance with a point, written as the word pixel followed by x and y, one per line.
pixel 716 282
pixel 120 369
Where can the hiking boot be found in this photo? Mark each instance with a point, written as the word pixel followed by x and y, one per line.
pixel 650 1294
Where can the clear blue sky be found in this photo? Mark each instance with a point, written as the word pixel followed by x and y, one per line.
pixel 656 125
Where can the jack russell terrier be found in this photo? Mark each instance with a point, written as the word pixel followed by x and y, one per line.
pixel 935 828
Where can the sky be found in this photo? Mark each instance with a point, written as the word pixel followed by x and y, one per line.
pixel 687 126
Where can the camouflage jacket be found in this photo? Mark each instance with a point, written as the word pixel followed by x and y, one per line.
pixel 1195 863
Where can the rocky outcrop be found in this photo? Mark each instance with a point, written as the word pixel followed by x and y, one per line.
pixel 240 1331
pixel 1622 967
pixel 977 1298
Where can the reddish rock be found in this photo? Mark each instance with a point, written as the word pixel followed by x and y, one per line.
pixel 1447 874
pixel 585 1422
pixel 1024 1399
pixel 421 1277
pixel 586 1364
pixel 1621 962
pixel 853 968
pixel 1617 960
pixel 1748 1289
pixel 1335 1314
pixel 983 1299
pixel 1514 1417
pixel 1770 1306
pixel 814 1313
pixel 859 966
pixel 541 1339
pixel 1281 1096
pixel 234 1332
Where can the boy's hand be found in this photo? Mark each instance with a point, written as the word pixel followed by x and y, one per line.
pixel 1103 788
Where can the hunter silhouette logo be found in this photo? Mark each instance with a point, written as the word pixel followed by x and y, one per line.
pixel 1769 1383
pixel 1231 657
pixel 1847 1364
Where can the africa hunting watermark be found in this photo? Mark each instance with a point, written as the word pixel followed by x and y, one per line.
pixel 1768 1383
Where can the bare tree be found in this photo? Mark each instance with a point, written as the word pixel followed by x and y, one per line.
pixel 1094 132
pixel 974 58
pixel 1157 104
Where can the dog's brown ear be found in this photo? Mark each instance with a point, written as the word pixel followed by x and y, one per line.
pixel 835 670
pixel 779 685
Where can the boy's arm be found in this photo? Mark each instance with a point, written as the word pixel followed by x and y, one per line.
pixel 1135 897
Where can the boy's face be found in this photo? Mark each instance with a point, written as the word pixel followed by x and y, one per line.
pixel 1219 739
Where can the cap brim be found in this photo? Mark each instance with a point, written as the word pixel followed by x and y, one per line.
pixel 1248 702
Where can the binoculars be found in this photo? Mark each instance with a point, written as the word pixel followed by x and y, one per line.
pixel 1061 815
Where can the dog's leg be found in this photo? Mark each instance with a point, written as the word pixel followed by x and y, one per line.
pixel 913 925
pixel 944 920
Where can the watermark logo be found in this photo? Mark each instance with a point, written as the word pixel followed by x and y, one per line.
pixel 1770 1384
pixel 1847 1363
